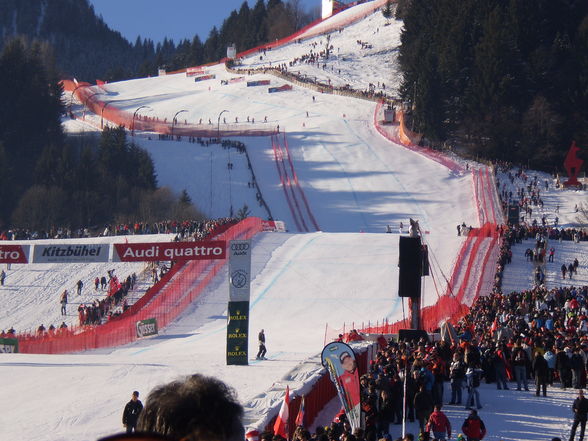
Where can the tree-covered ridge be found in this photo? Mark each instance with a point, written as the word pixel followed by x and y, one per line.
pixel 86 48
pixel 48 179
pixel 508 79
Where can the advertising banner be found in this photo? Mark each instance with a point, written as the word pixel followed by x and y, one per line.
pixel 71 253
pixel 152 252
pixel 238 333
pixel 258 83
pixel 14 253
pixel 146 328
pixel 239 270
pixel 8 345
pixel 193 71
pixel 204 78
pixel 279 89
pixel 339 359
pixel 273 226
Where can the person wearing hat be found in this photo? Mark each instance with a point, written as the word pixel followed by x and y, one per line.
pixel 131 413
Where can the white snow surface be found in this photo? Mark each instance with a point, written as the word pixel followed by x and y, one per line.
pixel 356 183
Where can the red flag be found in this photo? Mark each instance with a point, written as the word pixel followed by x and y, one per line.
pixel 281 426
pixel 300 416
pixel 494 326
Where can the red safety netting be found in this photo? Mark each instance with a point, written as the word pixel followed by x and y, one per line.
pixel 90 98
pixel 474 270
pixel 295 196
pixel 184 285
pixel 399 134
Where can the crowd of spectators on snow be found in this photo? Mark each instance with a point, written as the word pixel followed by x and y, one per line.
pixel 184 230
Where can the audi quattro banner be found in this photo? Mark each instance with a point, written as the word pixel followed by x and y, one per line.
pixel 14 253
pixel 71 253
pixel 151 252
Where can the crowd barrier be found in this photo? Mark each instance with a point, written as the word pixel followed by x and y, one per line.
pixel 182 288
pixel 405 137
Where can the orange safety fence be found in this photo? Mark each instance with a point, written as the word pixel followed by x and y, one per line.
pixel 106 111
pixel 181 289
pixel 400 134
pixel 473 272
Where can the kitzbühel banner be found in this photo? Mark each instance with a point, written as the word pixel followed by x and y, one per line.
pixel 151 252
pixel 14 253
pixel 71 253
pixel 339 359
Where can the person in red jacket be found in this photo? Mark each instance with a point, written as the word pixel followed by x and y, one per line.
pixel 439 425
pixel 474 427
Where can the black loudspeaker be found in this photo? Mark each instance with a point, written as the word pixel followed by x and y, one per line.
pixel 410 267
pixel 425 256
pixel 412 335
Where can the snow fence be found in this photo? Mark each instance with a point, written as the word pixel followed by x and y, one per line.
pixel 185 282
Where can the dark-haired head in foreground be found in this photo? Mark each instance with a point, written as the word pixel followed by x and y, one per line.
pixel 198 408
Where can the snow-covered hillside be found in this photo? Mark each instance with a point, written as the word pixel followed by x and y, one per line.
pixel 355 183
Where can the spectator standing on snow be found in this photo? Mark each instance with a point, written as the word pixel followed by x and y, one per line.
pixel 474 427
pixel 473 376
pixel 131 413
pixel 103 283
pixel 262 348
pixel 423 406
pixel 580 409
pixel 456 376
pixel 96 283
pixel 63 302
pixel 541 370
pixel 519 361
pixel 80 285
pixel 439 424
pixel 2 278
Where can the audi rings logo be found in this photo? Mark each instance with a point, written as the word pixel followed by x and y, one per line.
pixel 239 246
pixel 239 279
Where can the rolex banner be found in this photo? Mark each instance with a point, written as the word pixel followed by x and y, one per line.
pixel 239 290
pixel 339 359
pixel 237 333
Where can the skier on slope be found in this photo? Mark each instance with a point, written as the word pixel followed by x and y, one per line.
pixel 262 348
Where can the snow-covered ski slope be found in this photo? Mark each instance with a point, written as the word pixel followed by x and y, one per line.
pixel 355 183
pixel 376 59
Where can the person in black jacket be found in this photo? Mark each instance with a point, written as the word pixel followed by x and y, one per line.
pixel 423 406
pixel 580 408
pixel 541 370
pixel 131 413
pixel 563 365
pixel 262 349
